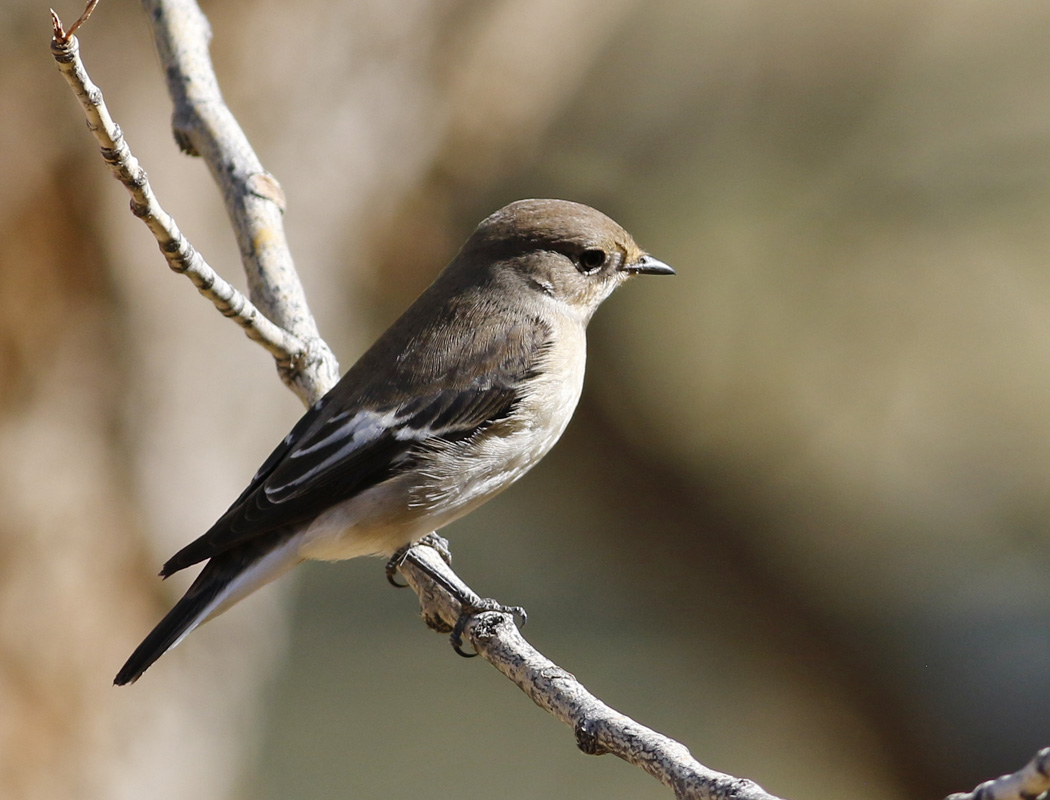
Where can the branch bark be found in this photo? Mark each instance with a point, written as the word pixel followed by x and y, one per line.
pixel 278 317
pixel 204 126
pixel 598 728
pixel 1031 782
pixel 286 347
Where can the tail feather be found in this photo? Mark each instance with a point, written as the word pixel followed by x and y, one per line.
pixel 225 579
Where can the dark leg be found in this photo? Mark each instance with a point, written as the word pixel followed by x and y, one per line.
pixel 470 603
pixel 439 543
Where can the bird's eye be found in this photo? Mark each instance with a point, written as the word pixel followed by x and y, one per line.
pixel 592 260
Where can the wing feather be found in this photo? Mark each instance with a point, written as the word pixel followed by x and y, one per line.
pixel 350 441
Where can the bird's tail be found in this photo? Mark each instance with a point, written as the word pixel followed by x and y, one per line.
pixel 225 579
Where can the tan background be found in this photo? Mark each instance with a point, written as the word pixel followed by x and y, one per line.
pixel 800 519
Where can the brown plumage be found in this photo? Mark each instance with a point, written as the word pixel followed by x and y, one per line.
pixel 464 393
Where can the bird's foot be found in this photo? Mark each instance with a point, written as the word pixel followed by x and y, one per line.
pixel 469 607
pixel 470 604
pixel 439 543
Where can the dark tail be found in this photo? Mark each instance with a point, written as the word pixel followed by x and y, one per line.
pixel 187 614
pixel 225 579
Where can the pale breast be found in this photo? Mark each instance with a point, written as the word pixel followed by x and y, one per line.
pixel 469 472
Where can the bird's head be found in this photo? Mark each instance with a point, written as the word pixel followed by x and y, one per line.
pixel 565 251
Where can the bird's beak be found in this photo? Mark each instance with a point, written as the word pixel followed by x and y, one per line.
pixel 647 265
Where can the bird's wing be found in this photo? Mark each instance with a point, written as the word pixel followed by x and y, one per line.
pixel 333 454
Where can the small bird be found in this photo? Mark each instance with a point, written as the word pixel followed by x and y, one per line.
pixel 461 396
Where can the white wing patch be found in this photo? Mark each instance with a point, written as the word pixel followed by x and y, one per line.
pixel 344 437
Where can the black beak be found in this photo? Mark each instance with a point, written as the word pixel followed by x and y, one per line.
pixel 647 265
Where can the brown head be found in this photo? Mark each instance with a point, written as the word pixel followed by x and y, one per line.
pixel 563 250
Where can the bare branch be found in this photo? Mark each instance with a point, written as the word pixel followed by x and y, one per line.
pixel 204 126
pixel 598 728
pixel 1031 782
pixel 61 34
pixel 277 316
pixel 181 255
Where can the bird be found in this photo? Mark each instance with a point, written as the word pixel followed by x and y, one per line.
pixel 466 391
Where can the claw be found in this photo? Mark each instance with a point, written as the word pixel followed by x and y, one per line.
pixel 468 610
pixel 469 603
pixel 456 637
pixel 519 614
pixel 393 563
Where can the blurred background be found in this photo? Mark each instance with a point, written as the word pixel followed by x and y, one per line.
pixel 800 520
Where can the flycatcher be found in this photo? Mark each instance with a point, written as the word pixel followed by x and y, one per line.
pixel 460 397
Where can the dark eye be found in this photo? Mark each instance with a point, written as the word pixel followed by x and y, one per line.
pixel 592 260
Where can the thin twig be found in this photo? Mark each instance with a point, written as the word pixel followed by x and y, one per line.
pixel 203 125
pixel 63 35
pixel 598 729
pixel 180 254
pixel 1031 782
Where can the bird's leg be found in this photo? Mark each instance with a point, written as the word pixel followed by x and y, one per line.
pixel 438 543
pixel 469 602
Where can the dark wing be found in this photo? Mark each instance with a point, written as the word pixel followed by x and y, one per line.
pixel 346 444
pixel 339 458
